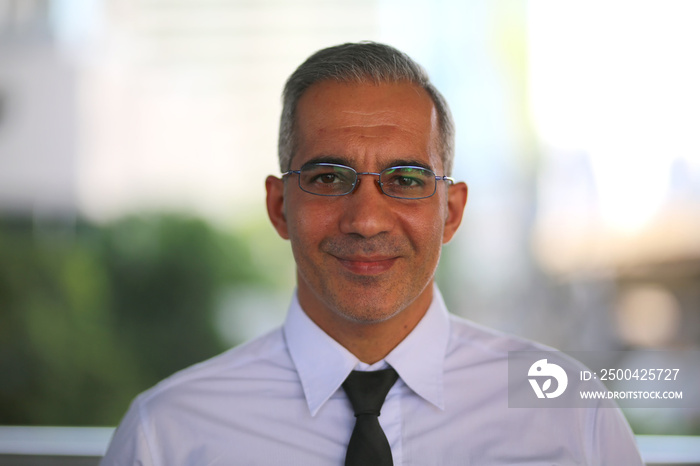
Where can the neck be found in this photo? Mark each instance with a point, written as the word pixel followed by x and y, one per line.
pixel 370 342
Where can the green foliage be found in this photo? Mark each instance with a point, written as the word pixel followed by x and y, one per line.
pixel 90 316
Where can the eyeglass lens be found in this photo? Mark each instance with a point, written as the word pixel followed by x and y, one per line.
pixel 337 180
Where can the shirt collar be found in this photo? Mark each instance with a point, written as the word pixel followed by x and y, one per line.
pixel 419 358
pixel 323 364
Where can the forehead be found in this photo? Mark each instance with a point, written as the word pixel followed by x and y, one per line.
pixel 366 123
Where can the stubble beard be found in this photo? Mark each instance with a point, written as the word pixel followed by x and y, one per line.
pixel 362 299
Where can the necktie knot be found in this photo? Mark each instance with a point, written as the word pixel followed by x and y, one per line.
pixel 367 391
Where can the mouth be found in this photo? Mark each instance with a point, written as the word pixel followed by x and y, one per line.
pixel 367 265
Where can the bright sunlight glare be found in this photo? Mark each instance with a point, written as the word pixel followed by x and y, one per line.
pixel 619 81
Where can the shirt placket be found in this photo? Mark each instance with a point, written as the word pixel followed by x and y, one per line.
pixel 391 420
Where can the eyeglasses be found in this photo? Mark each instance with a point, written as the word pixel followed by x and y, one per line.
pixel 404 182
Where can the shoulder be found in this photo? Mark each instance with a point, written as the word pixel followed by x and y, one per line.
pixel 489 373
pixel 493 354
pixel 236 370
pixel 192 405
pixel 468 335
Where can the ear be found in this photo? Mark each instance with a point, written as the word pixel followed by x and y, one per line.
pixel 275 205
pixel 456 201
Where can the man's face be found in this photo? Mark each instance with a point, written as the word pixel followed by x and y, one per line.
pixel 364 257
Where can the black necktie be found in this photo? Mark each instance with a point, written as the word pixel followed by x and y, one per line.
pixel 367 391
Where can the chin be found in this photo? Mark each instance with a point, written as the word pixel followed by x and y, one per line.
pixel 364 310
pixel 368 318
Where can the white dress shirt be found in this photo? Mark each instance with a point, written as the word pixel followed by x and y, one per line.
pixel 277 400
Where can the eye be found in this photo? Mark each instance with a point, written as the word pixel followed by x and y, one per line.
pixel 405 178
pixel 406 181
pixel 326 178
pixel 332 175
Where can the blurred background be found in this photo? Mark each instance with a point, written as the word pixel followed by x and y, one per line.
pixel 135 137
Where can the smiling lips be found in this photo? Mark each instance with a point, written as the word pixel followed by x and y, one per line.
pixel 367 265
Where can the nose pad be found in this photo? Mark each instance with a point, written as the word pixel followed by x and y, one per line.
pixel 367 213
pixel 375 178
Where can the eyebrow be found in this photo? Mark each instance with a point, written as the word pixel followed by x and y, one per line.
pixel 327 159
pixel 409 163
pixel 334 159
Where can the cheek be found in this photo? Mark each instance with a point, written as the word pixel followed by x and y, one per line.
pixel 424 227
pixel 427 221
pixel 309 223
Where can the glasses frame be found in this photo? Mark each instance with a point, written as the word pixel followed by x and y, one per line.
pixel 357 179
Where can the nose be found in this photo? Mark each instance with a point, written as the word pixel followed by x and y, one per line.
pixel 366 211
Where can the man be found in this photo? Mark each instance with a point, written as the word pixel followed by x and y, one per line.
pixel 368 368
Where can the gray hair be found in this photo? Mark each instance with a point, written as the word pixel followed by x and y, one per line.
pixel 359 62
